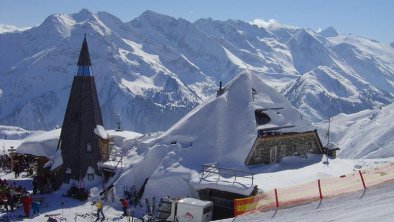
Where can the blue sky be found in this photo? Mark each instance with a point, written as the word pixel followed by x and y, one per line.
pixel 368 18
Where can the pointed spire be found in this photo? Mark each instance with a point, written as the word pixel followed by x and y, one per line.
pixel 84 63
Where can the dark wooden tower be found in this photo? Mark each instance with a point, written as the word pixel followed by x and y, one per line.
pixel 80 146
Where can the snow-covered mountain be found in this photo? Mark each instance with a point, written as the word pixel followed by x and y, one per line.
pixel 329 32
pixel 134 86
pixel 11 28
pixel 153 70
pixel 363 135
pixel 325 92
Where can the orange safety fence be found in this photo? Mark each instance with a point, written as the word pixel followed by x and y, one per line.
pixel 322 188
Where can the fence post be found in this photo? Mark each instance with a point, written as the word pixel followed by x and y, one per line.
pixel 276 198
pixel 318 183
pixel 362 179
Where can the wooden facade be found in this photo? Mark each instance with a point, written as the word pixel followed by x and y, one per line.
pixel 81 148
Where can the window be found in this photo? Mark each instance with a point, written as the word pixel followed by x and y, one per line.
pixel 258 154
pixel 207 209
pixel 90 176
pixel 88 147
pixel 164 210
pixel 75 116
pixel 274 154
pixel 67 178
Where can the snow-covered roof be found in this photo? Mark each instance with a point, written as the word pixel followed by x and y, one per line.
pixel 42 144
pixel 55 161
pixel 224 185
pixel 332 146
pixel 195 202
pixel 100 131
pixel 221 130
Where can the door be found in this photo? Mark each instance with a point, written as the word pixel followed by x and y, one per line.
pixel 274 154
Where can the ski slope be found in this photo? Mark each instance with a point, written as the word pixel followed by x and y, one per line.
pixel 375 204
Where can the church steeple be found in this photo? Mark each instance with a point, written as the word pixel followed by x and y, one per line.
pixel 84 63
pixel 81 147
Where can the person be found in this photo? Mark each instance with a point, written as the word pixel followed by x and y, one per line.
pixel 13 198
pixel 4 199
pixel 99 206
pixel 36 207
pixel 35 184
pixel 16 170
pixel 125 205
pixel 26 205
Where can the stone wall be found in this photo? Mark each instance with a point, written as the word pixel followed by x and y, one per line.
pixel 272 148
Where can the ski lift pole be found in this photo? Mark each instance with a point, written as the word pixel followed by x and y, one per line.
pixel 328 132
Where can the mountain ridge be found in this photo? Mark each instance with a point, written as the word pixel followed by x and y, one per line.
pixel 154 69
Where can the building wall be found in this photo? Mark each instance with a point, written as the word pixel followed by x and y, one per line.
pixel 272 148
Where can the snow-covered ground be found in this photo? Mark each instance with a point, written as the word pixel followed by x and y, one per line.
pixel 60 206
pixel 375 204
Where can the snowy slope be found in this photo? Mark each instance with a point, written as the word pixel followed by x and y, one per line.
pixel 325 92
pixel 159 64
pixel 366 134
pixel 375 204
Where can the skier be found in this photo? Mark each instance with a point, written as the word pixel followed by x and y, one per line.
pixel 26 205
pixel 13 198
pixel 16 170
pixel 35 184
pixel 36 207
pixel 99 206
pixel 4 199
pixel 125 205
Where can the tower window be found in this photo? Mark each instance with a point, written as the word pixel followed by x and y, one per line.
pixel 75 116
pixel 67 178
pixel 90 176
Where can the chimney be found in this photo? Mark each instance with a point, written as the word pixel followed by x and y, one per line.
pixel 220 85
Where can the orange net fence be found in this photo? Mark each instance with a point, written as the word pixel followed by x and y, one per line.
pixel 312 191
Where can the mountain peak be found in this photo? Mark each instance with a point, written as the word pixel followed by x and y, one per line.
pixel 84 12
pixel 304 35
pixel 392 45
pixel 329 32
pixel 154 15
